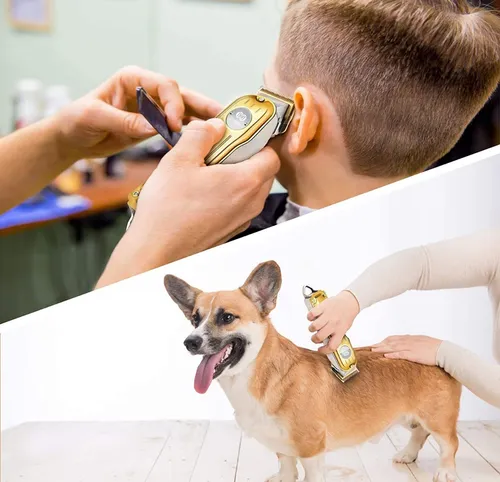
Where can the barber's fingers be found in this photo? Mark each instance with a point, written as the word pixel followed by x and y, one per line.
pixel 187 120
pixel 121 123
pixel 196 141
pixel 199 106
pixel 121 89
pixel 258 170
pixel 332 345
pixel 315 313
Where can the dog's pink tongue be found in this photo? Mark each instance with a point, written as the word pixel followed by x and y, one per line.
pixel 205 372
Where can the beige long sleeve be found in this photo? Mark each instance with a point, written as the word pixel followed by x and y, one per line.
pixel 463 262
pixel 480 377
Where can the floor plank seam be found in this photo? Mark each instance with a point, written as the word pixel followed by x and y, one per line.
pixel 363 465
pixel 199 452
pixel 464 438
pixel 158 457
pixel 238 458
pixel 487 426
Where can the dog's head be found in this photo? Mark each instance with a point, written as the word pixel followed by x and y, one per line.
pixel 229 326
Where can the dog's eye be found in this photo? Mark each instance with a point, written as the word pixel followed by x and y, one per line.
pixel 196 318
pixel 227 318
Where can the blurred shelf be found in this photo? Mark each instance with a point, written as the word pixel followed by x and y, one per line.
pixel 105 194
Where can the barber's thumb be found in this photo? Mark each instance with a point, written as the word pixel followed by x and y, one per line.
pixel 264 165
pixel 197 140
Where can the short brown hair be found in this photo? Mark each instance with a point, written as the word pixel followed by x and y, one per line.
pixel 405 76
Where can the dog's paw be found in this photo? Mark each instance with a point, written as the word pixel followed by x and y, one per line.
pixel 283 478
pixel 280 478
pixel 445 475
pixel 405 457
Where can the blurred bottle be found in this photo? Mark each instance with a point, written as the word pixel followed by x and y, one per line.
pixel 71 180
pixel 27 103
pixel 56 98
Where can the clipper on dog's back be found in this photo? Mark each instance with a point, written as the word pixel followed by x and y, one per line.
pixel 343 360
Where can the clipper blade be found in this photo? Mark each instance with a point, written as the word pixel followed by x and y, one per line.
pixel 344 376
pixel 285 109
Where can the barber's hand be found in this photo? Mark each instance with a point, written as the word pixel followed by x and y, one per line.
pixel 186 207
pixel 106 120
pixel 333 317
pixel 418 349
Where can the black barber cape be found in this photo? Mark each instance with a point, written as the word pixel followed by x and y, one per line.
pixel 274 208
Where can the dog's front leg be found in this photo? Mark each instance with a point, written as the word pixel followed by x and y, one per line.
pixel 288 470
pixel 314 468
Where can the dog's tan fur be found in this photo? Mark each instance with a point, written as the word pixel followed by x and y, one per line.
pixel 288 399
pixel 297 386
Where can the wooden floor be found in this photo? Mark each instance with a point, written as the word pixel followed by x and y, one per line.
pixel 216 452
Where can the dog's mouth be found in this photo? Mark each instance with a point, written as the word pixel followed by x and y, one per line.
pixel 212 366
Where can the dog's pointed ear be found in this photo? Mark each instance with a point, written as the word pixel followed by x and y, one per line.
pixel 263 286
pixel 182 293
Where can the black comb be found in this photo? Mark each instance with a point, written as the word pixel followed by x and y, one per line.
pixel 154 114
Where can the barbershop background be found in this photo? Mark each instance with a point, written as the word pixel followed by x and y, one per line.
pixel 55 246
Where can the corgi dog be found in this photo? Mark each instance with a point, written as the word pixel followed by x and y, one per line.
pixel 287 397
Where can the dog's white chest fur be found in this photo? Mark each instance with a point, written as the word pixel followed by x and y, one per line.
pixel 251 415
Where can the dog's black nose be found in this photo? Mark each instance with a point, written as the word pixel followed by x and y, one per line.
pixel 193 343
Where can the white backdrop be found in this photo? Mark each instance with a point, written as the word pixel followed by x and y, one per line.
pixel 117 353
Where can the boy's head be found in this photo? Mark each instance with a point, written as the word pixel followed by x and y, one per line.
pixel 388 84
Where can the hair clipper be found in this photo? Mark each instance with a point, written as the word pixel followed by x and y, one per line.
pixel 343 360
pixel 251 122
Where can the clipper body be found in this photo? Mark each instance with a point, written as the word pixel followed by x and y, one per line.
pixel 251 121
pixel 343 360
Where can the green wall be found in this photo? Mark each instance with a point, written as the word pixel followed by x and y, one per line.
pixel 218 47
pixel 89 40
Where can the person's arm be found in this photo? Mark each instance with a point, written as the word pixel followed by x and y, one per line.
pixel 29 159
pixel 99 124
pixel 480 377
pixel 456 263
pixel 462 262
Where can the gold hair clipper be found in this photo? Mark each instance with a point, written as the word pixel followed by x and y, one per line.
pixel 343 360
pixel 251 122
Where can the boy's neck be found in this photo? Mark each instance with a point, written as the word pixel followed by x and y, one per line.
pixel 322 183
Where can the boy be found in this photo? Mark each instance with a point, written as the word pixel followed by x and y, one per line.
pixel 383 89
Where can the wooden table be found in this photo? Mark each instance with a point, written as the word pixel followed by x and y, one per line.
pixel 104 193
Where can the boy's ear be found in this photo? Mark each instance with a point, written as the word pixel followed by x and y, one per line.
pixel 263 285
pixel 183 294
pixel 305 124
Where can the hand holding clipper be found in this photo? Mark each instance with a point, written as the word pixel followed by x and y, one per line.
pixel 251 122
pixel 343 360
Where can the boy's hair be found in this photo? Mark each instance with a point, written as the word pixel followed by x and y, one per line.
pixel 405 76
